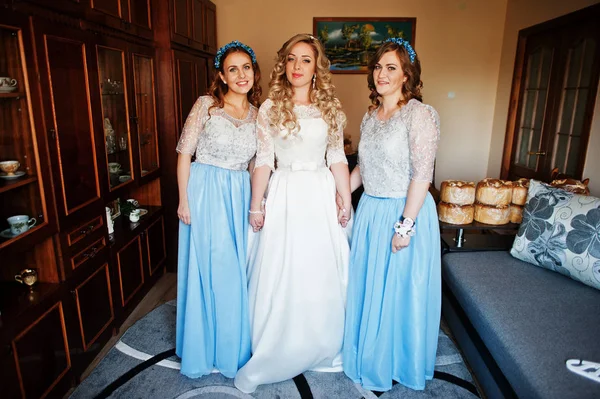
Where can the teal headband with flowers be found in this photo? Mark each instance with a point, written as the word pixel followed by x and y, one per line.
pixel 405 44
pixel 233 44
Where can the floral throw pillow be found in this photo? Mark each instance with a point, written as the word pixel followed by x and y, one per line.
pixel 561 232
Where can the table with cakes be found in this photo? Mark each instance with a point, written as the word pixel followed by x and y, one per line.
pixel 480 217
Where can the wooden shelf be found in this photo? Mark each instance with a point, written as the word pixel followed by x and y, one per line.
pixel 125 231
pixel 4 242
pixel 7 185
pixel 17 94
pixel 17 301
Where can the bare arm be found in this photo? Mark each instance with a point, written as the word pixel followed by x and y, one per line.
pixel 251 167
pixel 341 176
pixel 355 179
pixel 264 163
pixel 184 162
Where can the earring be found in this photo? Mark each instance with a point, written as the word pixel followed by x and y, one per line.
pixel 314 81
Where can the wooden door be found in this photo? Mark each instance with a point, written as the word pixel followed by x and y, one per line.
pixel 141 14
pixel 181 26
pixel 116 8
pixel 93 303
pixel 65 76
pixel 198 34
pixel 130 270
pixel 155 241
pixel 143 101
pixel 41 353
pixel 191 77
pixel 553 97
pixel 113 66
pixel 210 24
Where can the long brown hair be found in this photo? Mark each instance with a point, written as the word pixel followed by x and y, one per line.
pixel 322 95
pixel 412 70
pixel 218 89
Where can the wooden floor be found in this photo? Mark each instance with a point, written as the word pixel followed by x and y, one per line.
pixel 163 291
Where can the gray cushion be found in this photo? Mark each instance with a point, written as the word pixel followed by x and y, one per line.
pixel 531 319
pixel 560 232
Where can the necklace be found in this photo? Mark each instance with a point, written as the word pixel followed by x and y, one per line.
pixel 236 113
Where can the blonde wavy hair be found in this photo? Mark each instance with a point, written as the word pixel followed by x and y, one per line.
pixel 322 95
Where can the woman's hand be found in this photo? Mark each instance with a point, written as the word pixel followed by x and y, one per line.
pixel 344 213
pixel 399 243
pixel 257 217
pixel 183 213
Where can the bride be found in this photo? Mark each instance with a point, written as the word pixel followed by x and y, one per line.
pixel 298 263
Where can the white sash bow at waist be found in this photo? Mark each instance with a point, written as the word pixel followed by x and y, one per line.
pixel 298 166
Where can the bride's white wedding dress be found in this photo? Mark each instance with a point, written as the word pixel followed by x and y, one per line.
pixel 298 263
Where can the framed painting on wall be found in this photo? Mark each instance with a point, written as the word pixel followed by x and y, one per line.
pixel 350 42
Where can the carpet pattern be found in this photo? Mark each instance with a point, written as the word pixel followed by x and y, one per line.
pixel 143 365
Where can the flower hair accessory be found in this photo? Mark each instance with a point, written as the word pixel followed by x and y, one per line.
pixel 233 44
pixel 405 44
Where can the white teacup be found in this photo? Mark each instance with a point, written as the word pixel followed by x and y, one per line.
pixel 7 84
pixel 114 167
pixel 20 224
pixel 10 167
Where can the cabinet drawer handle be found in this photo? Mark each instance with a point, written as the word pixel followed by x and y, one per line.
pixel 92 252
pixel 87 230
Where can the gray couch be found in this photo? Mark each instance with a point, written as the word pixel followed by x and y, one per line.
pixel 517 324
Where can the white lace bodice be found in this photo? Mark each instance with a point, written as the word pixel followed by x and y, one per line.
pixel 219 139
pixel 392 153
pixel 307 149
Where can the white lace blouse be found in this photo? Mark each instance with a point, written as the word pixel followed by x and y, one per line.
pixel 392 153
pixel 310 145
pixel 219 139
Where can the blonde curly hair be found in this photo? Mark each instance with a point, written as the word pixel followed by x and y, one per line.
pixel 322 96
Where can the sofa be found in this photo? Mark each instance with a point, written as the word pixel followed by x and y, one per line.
pixel 518 323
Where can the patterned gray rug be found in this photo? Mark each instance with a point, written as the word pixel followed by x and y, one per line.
pixel 143 365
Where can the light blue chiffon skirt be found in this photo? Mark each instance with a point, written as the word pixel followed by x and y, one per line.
pixel 213 329
pixel 394 300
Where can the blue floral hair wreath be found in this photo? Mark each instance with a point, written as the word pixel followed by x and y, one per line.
pixel 406 45
pixel 233 44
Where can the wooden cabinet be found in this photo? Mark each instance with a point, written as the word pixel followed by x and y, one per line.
pixel 92 315
pixel 24 191
pixel 155 245
pixel 128 107
pixel 131 16
pixel 194 24
pixel 65 76
pixel 191 73
pixel 42 346
pixel 130 270
pixel 138 251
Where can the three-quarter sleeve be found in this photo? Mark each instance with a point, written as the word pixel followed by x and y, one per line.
pixel 194 125
pixel 335 148
pixel 265 148
pixel 424 135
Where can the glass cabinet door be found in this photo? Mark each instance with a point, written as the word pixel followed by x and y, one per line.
pixel 115 115
pixel 22 205
pixel 143 76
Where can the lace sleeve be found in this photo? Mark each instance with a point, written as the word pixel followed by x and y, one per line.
pixel 265 153
pixel 335 150
pixel 424 136
pixel 194 124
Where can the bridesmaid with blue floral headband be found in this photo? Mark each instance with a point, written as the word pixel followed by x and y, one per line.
pixel 394 287
pixel 213 329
